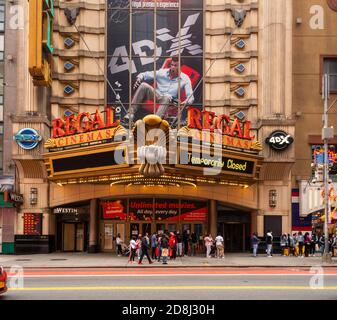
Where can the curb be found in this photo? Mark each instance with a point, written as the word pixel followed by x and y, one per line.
pixel 172 267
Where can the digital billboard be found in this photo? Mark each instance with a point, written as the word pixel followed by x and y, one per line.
pixel 154 58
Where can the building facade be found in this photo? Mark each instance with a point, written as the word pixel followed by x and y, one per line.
pixel 314 55
pixel 235 58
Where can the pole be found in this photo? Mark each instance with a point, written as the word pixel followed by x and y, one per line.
pixel 326 135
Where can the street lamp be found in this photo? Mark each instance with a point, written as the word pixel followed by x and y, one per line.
pixel 327 133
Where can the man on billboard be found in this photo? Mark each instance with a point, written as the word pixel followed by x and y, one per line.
pixel 167 82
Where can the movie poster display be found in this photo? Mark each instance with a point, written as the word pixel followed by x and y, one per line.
pixel 152 66
pixel 114 210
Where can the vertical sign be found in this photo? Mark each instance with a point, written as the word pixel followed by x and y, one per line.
pixel 41 15
pixel 155 57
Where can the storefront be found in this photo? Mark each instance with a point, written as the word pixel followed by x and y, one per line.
pixel 72 233
pixel 150 182
pixel 133 216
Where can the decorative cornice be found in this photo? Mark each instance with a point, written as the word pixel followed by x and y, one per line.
pixel 276 122
pixel 233 79
pixel 223 7
pixel 77 77
pixel 229 30
pixel 80 4
pixel 244 103
pixel 82 29
pixel 232 55
pixel 72 101
pixel 78 53
pixel 30 119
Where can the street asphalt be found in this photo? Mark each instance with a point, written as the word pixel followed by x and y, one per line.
pixel 176 284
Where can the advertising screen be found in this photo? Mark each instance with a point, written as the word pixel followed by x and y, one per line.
pixel 154 58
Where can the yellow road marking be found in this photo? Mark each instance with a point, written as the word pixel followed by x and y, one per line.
pixel 111 288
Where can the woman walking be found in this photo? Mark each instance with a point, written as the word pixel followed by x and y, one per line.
pixel 208 244
pixel 119 242
pixel 133 248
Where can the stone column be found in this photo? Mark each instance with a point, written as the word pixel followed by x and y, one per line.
pixel 93 227
pixel 213 218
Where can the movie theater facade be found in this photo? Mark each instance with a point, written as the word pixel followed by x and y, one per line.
pixel 214 157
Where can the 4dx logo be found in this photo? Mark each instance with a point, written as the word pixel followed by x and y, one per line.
pixel 279 140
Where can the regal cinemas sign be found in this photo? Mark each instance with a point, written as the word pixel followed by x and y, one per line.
pixel 87 129
pixel 220 130
pixel 84 129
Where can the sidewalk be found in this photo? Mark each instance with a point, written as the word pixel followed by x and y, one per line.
pixel 106 260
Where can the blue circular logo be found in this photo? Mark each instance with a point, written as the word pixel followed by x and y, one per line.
pixel 27 138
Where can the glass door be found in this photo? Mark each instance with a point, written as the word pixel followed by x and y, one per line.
pixel 80 237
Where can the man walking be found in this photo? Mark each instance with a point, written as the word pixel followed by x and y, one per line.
pixel 153 245
pixel 219 242
pixel 255 244
pixel 145 249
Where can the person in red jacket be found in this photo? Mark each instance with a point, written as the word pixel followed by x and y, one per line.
pixel 173 246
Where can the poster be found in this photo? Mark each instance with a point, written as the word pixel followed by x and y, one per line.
pixel 194 211
pixel 154 69
pixel 166 210
pixel 114 210
pixel 141 209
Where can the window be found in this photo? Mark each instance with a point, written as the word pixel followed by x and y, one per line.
pixel 330 67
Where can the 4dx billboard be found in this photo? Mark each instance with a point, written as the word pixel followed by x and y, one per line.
pixel 155 58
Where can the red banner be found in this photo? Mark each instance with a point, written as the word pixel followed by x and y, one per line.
pixel 114 210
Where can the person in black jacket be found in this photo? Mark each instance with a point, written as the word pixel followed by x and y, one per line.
pixel 145 249
pixel 165 247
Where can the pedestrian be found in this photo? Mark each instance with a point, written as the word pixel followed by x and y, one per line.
pixel 179 244
pixel 208 244
pixel 313 245
pixel 194 241
pixel 321 242
pixel 119 242
pixel 186 236
pixel 283 243
pixel 296 249
pixel 307 244
pixel 159 246
pixel 173 246
pixel 290 244
pixel 219 242
pixel 165 248
pixel 139 246
pixel 145 245
pixel 269 243
pixel 153 245
pixel 133 248
pixel 255 243
pixel 300 244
